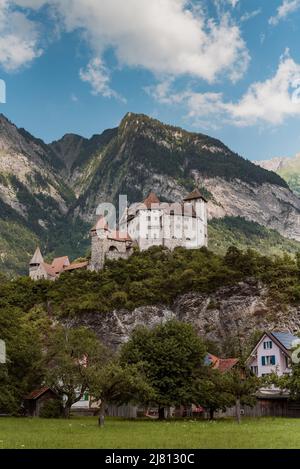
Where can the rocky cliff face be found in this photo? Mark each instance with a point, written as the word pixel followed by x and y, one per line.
pixel 227 316
pixel 269 205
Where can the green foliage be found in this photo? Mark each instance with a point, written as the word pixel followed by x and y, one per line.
pixel 241 386
pixel 171 357
pixel 23 370
pixel 116 384
pixel 156 276
pixel 52 409
pixel 243 234
pixel 74 357
pixel 212 391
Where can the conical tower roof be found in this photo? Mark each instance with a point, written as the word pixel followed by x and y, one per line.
pixel 196 194
pixel 37 257
pixel 152 199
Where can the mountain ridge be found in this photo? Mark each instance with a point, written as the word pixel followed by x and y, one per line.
pixel 286 167
pixel 50 191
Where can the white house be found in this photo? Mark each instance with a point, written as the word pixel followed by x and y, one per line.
pixel 272 354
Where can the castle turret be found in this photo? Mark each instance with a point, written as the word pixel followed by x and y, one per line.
pixel 99 234
pixel 35 262
pixel 199 204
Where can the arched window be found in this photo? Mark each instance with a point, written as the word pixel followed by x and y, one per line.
pixel 113 249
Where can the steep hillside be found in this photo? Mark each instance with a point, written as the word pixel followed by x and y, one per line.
pixel 49 193
pixel 244 234
pixel 79 156
pixel 287 168
pixel 147 155
pixel 34 200
pixel 228 299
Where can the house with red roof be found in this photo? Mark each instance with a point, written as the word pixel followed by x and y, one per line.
pixel 39 269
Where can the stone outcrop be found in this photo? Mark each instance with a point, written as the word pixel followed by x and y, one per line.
pixel 231 313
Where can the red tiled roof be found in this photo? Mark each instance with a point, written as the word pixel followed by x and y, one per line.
pixel 37 393
pixel 227 363
pixel 49 269
pixel 151 200
pixel 222 364
pixel 59 263
pixel 76 266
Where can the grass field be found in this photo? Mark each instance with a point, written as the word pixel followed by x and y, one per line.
pixel 84 433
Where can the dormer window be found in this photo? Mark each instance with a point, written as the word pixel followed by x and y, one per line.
pixel 268 345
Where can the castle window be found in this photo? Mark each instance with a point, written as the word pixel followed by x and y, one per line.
pixel 113 249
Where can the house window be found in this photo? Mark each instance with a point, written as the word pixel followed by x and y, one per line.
pixel 287 364
pixel 254 370
pixel 268 345
pixel 268 360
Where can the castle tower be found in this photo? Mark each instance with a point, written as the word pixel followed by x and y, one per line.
pixel 35 263
pixel 199 204
pixel 99 234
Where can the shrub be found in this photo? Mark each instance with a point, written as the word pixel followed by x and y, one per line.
pixel 52 409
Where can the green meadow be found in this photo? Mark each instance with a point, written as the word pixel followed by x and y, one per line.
pixel 82 433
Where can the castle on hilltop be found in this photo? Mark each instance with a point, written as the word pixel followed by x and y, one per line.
pixel 143 225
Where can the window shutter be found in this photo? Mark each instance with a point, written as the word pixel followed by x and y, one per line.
pixel 273 360
pixel 263 361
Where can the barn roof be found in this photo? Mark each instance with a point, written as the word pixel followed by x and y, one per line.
pixel 37 393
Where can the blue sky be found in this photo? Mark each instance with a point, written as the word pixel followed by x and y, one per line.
pixel 227 68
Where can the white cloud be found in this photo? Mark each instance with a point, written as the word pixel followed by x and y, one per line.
pixel 285 9
pixel 18 38
pixel 270 101
pixel 166 37
pixel 250 15
pixel 98 76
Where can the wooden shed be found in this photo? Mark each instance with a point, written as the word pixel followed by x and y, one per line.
pixel 35 401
